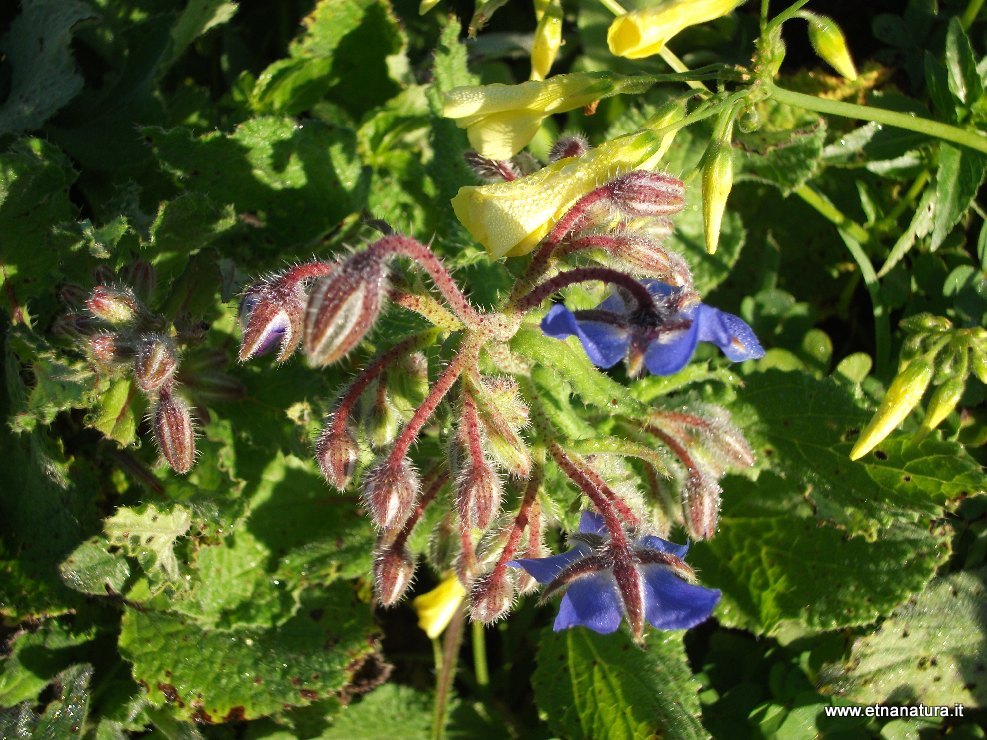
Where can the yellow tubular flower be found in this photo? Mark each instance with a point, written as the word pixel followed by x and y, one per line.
pixel 829 43
pixel 501 119
pixel 644 32
pixel 903 395
pixel 510 218
pixel 548 37
pixel 437 608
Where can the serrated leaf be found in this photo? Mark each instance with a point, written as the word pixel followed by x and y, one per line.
pixel 605 686
pixel 223 675
pixel 37 48
pixel 297 181
pixel 784 159
pixel 781 568
pixel 916 657
pixel 66 715
pixel 92 569
pixel 390 711
pixel 958 178
pixel 149 534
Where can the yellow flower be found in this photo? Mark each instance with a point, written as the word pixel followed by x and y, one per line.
pixel 903 395
pixel 510 218
pixel 642 33
pixel 548 37
pixel 829 43
pixel 437 608
pixel 501 119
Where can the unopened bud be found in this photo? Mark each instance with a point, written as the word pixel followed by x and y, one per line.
pixel 103 275
pixel 641 194
pixel 383 421
pixel 574 145
pixel 393 570
pixel 337 453
pixel 978 363
pixel 491 597
pixel 408 380
pixel 925 322
pixel 142 276
pixel 72 295
pixel 943 401
pixel 702 505
pixel 389 492
pixel 73 326
pixel 155 362
pixel 478 495
pixel 491 170
pixel 903 395
pixel 271 315
pixel 174 431
pixel 717 181
pixel 344 307
pixel 547 39
pixel 830 44
pixel 113 305
pixel 104 348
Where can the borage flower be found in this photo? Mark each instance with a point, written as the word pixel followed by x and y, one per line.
pixel 662 336
pixel 603 584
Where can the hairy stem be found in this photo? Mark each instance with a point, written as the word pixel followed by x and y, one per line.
pixel 640 293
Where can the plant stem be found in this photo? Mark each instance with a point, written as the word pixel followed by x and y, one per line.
pixel 641 296
pixel 480 656
pixel 677 65
pixel 787 14
pixel 449 659
pixel 613 6
pixel 970 14
pixel 906 201
pixel 833 214
pixel 970 139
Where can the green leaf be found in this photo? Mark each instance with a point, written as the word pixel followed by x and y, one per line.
pixel 149 534
pixel 785 159
pixel 958 178
pixel 35 658
pixel 605 686
pixel 390 711
pixel 92 569
pixel 961 65
pixel 198 18
pixel 117 412
pixel 37 48
pixel 915 657
pixel 65 716
pixel 224 675
pixel 782 569
pixel 297 182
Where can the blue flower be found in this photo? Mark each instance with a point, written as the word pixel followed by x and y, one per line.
pixel 664 336
pixel 602 587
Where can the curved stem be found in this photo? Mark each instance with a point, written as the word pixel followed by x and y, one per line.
pixel 787 14
pixel 640 293
pixel 970 14
pixel 832 214
pixel 935 129
pixel 669 57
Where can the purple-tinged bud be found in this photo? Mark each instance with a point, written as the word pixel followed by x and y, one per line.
pixel 701 504
pixel 491 170
pixel 393 571
pixel 491 596
pixel 642 194
pixel 156 362
pixel 174 431
pixel 631 587
pixel 389 492
pixel 337 453
pixel 142 276
pixel 113 305
pixel 343 307
pixel 271 315
pixel 73 326
pixel 568 146
pixel 103 348
pixel 103 275
pixel 478 494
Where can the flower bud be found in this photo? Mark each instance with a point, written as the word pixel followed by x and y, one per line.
pixel 642 33
pixel 548 37
pixel 943 401
pixel 478 494
pixel 383 421
pixel 641 194
pixel 716 184
pixel 337 453
pixel 105 348
pixel 103 275
pixel 113 305
pixel 925 322
pixel 829 43
pixel 408 380
pixel 72 295
pixel 343 307
pixel 73 326
pixel 903 395
pixel 491 597
pixel 491 170
pixel 174 431
pixel 142 276
pixel 389 492
pixel 393 571
pixel 702 504
pixel 155 362
pixel 271 315
pixel 568 146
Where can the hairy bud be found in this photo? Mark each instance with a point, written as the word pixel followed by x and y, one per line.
pixel 113 305
pixel 478 494
pixel 155 362
pixel 382 418
pixel 142 276
pixel 343 307
pixel 491 597
pixel 641 194
pixel 575 145
pixel 491 170
pixel 702 504
pixel 393 571
pixel 337 453
pixel 106 348
pixel 390 491
pixel 271 315
pixel 174 431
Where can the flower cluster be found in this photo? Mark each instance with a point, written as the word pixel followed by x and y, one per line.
pixel 487 491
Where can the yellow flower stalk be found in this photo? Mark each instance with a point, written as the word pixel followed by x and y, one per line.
pixel 643 33
pixel 437 608
pixel 510 218
pixel 547 39
pixel 501 119
pixel 903 395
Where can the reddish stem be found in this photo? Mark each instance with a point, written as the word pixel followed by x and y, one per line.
pixel 307 270
pixel 640 293
pixel 622 508
pixel 604 505
pixel 423 501
pixel 521 520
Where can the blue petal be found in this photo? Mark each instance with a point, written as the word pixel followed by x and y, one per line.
pixel 592 523
pixel 544 570
pixel 672 351
pixel 673 604
pixel 591 601
pixel 657 543
pixel 605 344
pixel 728 332
pixel 659 289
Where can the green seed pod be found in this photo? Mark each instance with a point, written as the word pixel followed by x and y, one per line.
pixel 903 395
pixel 830 44
pixel 942 403
pixel 716 183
